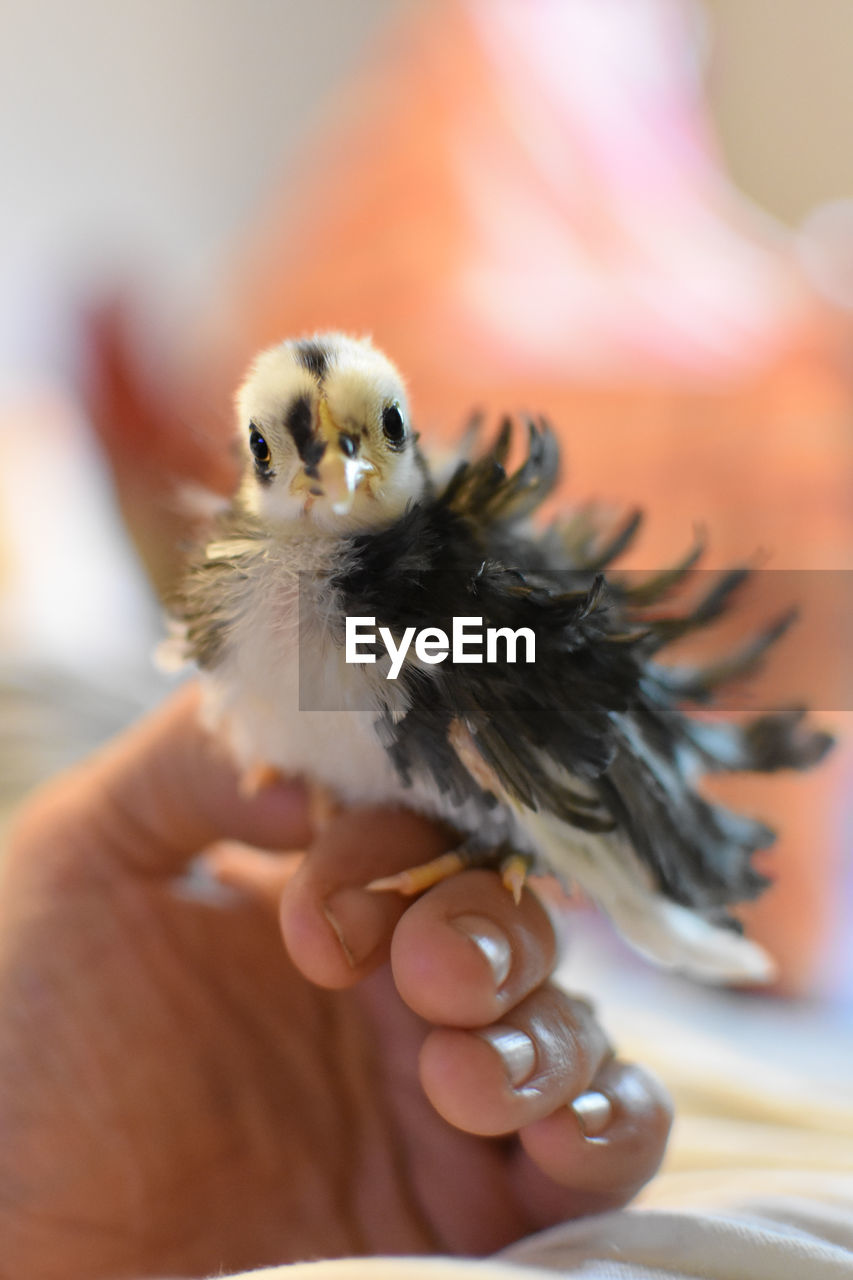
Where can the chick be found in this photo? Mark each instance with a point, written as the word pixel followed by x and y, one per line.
pixel 583 762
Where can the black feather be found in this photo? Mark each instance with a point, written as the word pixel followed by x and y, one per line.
pixel 594 707
pixel 659 585
pixel 299 422
pixel 698 684
pixel 597 730
pixel 313 356
pixel 619 542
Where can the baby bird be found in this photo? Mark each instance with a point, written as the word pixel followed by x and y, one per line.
pixel 582 762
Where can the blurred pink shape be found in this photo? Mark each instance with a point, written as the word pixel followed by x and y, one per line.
pixel 534 182
pixel 607 208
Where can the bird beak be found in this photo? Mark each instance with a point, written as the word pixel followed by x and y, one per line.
pixel 341 470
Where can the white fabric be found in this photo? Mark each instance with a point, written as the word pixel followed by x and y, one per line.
pixel 758 1183
pixel 804 1235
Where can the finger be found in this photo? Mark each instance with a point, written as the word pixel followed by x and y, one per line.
pixel 256 872
pixel 164 791
pixel 610 1140
pixel 335 930
pixel 464 954
pixel 499 1079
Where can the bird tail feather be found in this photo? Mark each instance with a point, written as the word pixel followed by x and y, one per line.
pixel 673 936
pixel 677 938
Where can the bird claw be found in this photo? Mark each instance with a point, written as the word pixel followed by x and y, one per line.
pixel 514 871
pixel 415 880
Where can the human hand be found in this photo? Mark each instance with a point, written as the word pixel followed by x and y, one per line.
pixel 179 1095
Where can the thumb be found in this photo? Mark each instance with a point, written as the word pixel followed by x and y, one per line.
pixel 162 792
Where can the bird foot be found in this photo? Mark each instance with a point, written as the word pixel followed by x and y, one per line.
pixel 415 879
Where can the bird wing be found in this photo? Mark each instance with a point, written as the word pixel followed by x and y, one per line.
pixel 432 566
pixel 594 743
pixel 203 610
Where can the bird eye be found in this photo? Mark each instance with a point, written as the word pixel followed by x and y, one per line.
pixel 259 447
pixel 393 425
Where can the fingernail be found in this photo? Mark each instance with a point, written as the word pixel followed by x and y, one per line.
pixel 515 1049
pixel 360 921
pixel 594 1111
pixel 490 941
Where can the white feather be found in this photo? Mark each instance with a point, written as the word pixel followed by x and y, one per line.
pixel 608 870
pixel 170 655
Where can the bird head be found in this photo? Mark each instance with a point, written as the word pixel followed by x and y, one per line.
pixel 324 425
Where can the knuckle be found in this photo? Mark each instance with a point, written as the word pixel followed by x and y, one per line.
pixel 571 1044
